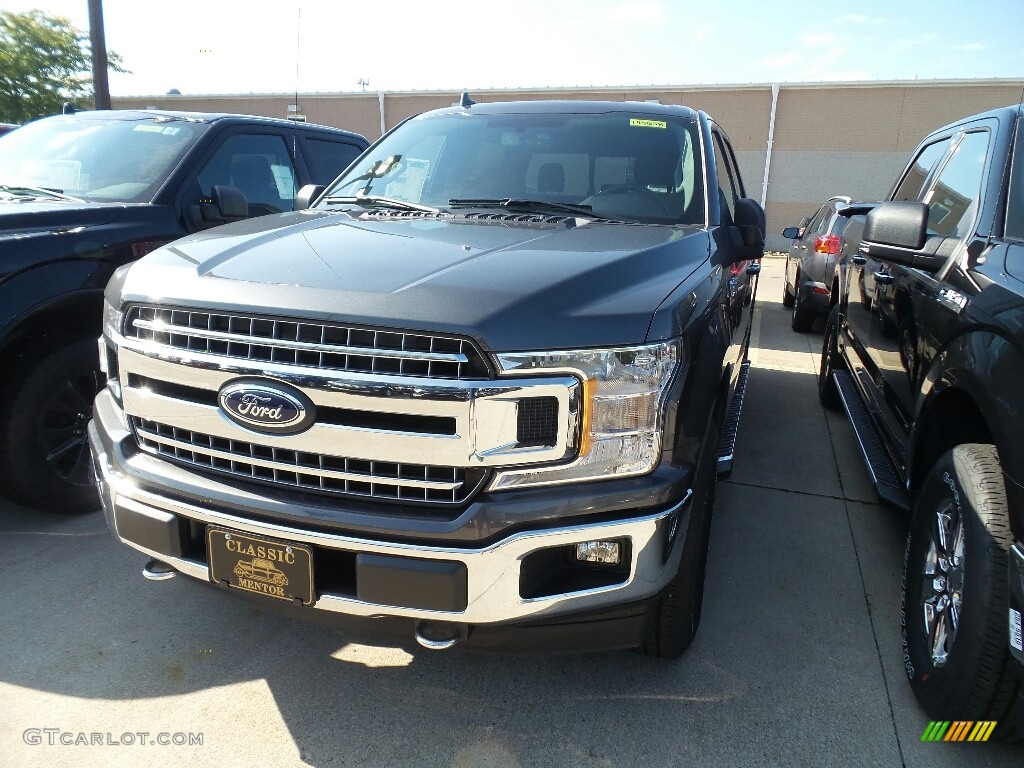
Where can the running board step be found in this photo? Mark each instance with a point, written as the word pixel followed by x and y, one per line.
pixel 727 442
pixel 884 476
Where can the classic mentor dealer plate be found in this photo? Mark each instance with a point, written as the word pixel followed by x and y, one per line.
pixel 272 568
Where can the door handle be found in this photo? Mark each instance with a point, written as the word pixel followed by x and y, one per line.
pixel 884 278
pixel 859 260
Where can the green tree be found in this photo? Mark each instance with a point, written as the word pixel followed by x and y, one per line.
pixel 44 62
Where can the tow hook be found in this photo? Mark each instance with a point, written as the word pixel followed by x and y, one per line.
pixel 156 570
pixel 437 636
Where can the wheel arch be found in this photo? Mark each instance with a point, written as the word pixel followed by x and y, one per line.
pixel 971 394
pixel 61 319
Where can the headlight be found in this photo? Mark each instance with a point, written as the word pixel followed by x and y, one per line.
pixel 624 399
pixel 113 318
pixel 112 322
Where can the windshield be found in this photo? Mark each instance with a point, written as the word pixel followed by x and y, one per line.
pixel 619 165
pixel 96 159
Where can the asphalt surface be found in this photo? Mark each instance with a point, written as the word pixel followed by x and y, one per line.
pixel 797 661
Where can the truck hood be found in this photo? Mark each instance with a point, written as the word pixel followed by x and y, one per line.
pixel 18 217
pixel 511 285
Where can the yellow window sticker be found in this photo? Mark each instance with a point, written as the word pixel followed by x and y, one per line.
pixel 637 122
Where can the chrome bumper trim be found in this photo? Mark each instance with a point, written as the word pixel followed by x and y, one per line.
pixel 492 572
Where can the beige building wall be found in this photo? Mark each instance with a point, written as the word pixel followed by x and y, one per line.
pixel 830 138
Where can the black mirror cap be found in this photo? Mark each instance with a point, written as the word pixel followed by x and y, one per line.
pixel 308 194
pixel 230 202
pixel 749 213
pixel 792 233
pixel 747 242
pixel 748 231
pixel 895 231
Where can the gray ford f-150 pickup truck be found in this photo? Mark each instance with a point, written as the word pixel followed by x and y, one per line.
pixel 479 392
pixel 929 368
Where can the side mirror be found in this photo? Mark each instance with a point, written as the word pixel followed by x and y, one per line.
pixel 896 232
pixel 224 205
pixel 307 195
pixel 230 202
pixel 748 231
pixel 791 233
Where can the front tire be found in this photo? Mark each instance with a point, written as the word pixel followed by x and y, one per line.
pixel 44 451
pixel 955 593
pixel 679 606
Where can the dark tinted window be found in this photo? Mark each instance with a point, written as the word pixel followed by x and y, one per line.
pixel 326 159
pixel 728 186
pixel 1015 206
pixel 953 199
pixel 817 225
pixel 912 185
pixel 259 166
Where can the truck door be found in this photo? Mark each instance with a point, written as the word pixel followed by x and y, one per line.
pixel 908 299
pixel 867 281
pixel 740 287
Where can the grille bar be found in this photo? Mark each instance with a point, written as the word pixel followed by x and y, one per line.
pixel 229 456
pixel 330 347
pixel 160 327
pixel 387 481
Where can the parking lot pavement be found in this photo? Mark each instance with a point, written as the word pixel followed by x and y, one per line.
pixel 797 662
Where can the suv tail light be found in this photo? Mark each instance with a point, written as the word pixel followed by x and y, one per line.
pixel 827 244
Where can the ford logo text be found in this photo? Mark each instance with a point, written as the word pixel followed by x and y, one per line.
pixel 268 406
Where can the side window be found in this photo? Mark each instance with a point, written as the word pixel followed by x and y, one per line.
pixel 818 223
pixel 326 159
pixel 953 198
pixel 259 166
pixel 912 185
pixel 1015 204
pixel 728 191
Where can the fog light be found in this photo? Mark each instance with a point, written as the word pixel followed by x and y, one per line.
pixel 606 552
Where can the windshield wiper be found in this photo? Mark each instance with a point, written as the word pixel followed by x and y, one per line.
pixel 379 201
pixel 519 204
pixel 20 190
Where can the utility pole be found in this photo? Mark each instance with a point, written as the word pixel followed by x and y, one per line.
pixel 98 44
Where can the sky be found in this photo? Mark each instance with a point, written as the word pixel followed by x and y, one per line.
pixel 254 46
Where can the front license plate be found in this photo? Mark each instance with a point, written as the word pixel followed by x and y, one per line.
pixel 272 568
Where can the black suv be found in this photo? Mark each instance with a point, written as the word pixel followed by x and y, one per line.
pixel 930 370
pixel 84 193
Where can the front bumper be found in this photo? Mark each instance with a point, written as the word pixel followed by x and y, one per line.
pixel 169 527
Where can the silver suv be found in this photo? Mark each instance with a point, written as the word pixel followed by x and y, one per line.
pixel 811 263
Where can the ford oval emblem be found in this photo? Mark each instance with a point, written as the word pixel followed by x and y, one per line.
pixel 266 406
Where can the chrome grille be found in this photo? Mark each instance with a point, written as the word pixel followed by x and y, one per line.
pixel 325 346
pixel 379 480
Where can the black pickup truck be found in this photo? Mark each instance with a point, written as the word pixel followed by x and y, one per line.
pixel 929 365
pixel 479 393
pixel 80 195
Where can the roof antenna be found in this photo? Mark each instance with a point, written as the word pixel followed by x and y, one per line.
pixel 465 100
pixel 298 40
pixel 68 108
